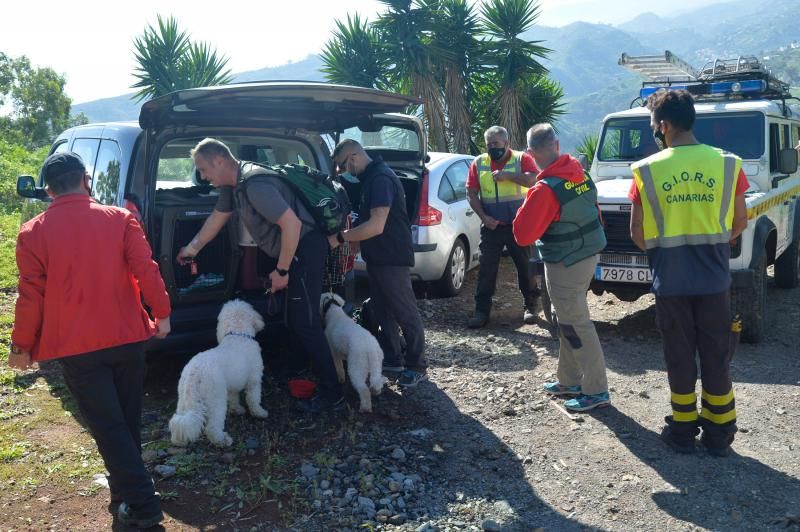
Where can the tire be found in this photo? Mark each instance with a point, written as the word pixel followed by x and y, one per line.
pixel 787 266
pixel 452 280
pixel 751 304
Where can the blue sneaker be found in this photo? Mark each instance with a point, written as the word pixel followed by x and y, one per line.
pixel 410 378
pixel 587 402
pixel 556 388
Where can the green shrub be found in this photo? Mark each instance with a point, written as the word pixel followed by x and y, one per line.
pixel 16 160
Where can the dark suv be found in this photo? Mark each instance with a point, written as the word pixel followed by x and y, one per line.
pixel 147 164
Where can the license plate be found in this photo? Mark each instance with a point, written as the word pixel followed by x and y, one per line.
pixel 623 275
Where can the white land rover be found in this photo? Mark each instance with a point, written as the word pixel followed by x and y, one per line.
pixel 741 109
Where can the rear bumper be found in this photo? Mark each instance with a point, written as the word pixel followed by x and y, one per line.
pixel 429 264
pixel 194 326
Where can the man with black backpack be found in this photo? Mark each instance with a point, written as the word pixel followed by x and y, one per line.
pixel 284 227
pixel 384 233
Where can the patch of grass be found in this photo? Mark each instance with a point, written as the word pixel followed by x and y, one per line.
pixel 189 464
pixel 9 227
pixel 10 451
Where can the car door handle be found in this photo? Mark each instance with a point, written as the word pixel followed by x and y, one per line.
pixel 469 213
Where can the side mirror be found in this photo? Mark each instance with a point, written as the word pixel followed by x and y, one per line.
pixel 584 160
pixel 787 163
pixel 26 188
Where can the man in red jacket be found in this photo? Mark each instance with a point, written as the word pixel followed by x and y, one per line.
pixel 561 216
pixel 81 268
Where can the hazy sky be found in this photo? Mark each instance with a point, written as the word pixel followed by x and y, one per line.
pixel 90 42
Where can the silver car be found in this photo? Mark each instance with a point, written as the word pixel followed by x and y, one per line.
pixel 446 232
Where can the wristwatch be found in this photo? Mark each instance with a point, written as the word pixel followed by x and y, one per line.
pixel 281 272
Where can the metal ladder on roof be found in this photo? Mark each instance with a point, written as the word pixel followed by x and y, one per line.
pixel 660 68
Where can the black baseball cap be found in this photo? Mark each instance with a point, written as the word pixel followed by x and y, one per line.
pixel 62 163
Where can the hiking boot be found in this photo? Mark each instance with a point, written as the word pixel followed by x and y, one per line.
pixel 116 498
pixel 138 519
pixel 320 404
pixel 556 388
pixel 410 378
pixel 478 320
pixel 392 372
pixel 585 402
pixel 680 447
pixel 716 450
pixel 531 312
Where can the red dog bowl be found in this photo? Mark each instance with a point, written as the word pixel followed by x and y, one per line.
pixel 301 388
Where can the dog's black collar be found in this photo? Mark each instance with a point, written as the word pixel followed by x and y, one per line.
pixel 328 304
pixel 243 335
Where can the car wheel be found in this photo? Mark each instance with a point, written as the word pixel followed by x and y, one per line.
pixel 787 267
pixel 751 304
pixel 452 280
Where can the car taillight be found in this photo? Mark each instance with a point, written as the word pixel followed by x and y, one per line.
pixel 427 215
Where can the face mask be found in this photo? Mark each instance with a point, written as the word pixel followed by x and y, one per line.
pixel 661 141
pixel 350 178
pixel 497 153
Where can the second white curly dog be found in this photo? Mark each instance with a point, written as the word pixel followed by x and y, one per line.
pixel 351 342
pixel 211 381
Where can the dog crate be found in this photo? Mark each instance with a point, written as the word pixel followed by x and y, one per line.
pixel 212 276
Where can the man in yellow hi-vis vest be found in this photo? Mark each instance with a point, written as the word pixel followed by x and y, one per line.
pixel 496 186
pixel 687 205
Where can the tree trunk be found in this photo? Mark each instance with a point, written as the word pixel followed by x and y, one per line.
pixel 511 117
pixel 427 89
pixel 460 123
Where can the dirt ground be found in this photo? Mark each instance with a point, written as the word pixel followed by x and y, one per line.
pixel 478 447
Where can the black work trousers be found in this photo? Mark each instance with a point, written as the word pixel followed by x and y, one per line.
pixel 307 336
pixel 699 326
pixel 107 387
pixel 492 244
pixel 394 304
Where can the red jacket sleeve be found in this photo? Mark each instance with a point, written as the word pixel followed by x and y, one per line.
pixel 528 165
pixel 537 212
pixel 472 176
pixel 742 184
pixel 140 260
pixel 29 309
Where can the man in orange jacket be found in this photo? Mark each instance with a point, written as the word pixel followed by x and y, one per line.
pixel 560 215
pixel 81 268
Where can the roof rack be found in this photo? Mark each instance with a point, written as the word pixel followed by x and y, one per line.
pixel 722 79
pixel 666 68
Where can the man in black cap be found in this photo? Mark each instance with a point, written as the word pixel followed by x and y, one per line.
pixel 83 268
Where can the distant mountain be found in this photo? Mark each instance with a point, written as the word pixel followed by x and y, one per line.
pixel 584 57
pixel 124 107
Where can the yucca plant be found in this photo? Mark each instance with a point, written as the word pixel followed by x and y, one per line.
pixel 588 147
pixel 353 56
pixel 405 36
pixel 167 60
pixel 514 59
pixel 457 31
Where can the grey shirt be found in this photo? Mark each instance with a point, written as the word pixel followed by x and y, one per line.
pixel 270 198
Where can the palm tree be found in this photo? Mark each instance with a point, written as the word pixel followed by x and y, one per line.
pixel 541 100
pixel 514 58
pixel 456 31
pixel 353 55
pixel 405 30
pixel 168 61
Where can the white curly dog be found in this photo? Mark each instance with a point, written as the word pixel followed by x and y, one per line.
pixel 211 381
pixel 349 341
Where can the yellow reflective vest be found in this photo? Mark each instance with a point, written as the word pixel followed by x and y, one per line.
pixel 687 195
pixel 500 200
